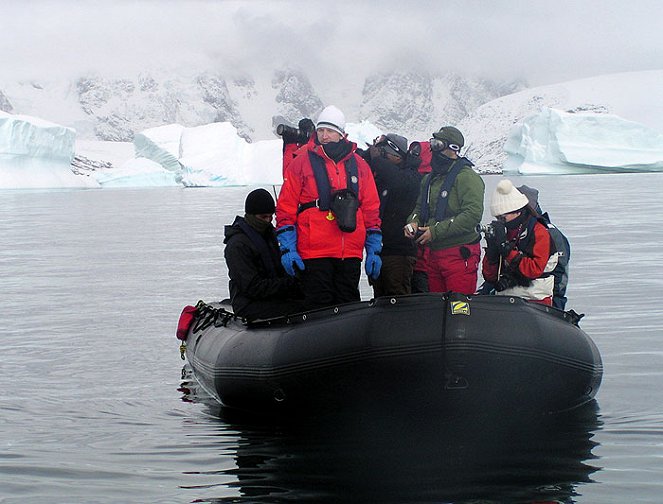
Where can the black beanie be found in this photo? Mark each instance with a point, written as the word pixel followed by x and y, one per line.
pixel 259 202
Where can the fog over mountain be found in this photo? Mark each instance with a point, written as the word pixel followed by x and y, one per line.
pixel 112 69
pixel 115 109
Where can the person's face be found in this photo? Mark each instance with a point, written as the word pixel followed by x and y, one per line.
pixel 267 217
pixel 326 135
pixel 508 217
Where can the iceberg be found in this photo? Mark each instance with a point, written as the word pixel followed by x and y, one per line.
pixel 139 172
pixel 161 145
pixel 37 154
pixel 557 142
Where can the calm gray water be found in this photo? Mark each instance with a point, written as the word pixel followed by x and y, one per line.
pixel 94 408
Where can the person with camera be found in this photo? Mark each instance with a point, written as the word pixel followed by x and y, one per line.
pixel 520 253
pixel 327 212
pixel 448 209
pixel 259 286
pixel 294 139
pixel 395 170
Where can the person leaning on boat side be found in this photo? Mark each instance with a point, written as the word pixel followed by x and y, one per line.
pixel 520 254
pixel 327 212
pixel 259 286
pixel 449 207
pixel 397 180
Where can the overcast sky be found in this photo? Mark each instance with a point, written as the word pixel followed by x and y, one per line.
pixel 542 41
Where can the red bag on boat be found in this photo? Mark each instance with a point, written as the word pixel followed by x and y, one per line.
pixel 186 318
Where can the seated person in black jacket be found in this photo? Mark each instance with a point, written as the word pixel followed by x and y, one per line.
pixel 259 286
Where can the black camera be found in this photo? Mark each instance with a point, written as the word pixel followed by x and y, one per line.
pixel 487 229
pixel 292 135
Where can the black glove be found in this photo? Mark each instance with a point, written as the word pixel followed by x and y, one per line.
pixel 505 247
pixel 492 251
pixel 498 231
pixel 506 281
pixel 306 126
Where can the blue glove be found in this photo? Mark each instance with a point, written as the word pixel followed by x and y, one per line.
pixel 287 236
pixel 373 248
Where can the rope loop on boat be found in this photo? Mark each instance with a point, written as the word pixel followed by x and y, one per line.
pixel 208 315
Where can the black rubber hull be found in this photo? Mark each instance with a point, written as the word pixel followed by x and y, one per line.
pixel 420 352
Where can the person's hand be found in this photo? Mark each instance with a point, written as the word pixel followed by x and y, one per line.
pixel 290 261
pixel 373 247
pixel 306 126
pixel 290 258
pixel 425 236
pixel 505 248
pixel 498 231
pixel 506 281
pixel 373 266
pixel 492 251
pixel 409 230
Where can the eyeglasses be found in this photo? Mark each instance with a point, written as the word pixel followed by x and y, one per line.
pixel 439 145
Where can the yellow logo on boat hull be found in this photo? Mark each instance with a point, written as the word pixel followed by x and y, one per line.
pixel 460 308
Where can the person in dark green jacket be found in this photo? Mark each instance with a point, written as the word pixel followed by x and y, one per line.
pixel 449 208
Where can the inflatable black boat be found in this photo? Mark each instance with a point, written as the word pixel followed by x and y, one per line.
pixel 431 352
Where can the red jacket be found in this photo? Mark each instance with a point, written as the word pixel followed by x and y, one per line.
pixel 426 156
pixel 317 235
pixel 290 152
pixel 535 264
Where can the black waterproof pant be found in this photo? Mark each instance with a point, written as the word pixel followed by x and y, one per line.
pixel 329 281
pixel 395 276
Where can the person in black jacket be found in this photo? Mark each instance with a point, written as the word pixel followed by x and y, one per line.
pixel 397 181
pixel 259 286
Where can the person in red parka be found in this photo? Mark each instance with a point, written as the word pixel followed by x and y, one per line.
pixel 295 139
pixel 327 212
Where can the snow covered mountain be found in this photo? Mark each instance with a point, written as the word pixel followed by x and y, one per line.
pixel 115 109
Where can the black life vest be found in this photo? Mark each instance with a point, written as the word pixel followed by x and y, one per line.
pixel 525 239
pixel 445 190
pixel 322 181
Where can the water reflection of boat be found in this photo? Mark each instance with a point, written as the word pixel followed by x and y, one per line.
pixel 427 352
pixel 486 458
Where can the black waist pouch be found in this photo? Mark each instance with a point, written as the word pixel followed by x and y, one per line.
pixel 344 206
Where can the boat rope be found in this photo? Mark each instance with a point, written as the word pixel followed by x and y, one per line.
pixel 208 315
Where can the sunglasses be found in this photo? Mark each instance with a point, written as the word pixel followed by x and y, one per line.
pixel 439 145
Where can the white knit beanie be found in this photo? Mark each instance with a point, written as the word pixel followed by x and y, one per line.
pixel 506 198
pixel 332 118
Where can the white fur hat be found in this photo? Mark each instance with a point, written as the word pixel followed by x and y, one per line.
pixel 506 198
pixel 332 118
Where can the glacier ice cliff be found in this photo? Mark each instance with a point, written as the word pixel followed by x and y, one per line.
pixel 554 141
pixel 37 154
